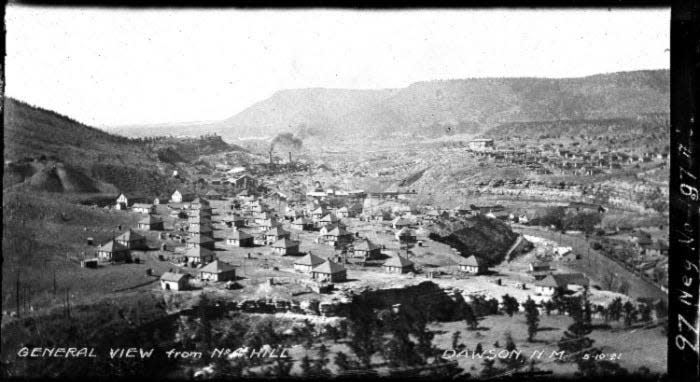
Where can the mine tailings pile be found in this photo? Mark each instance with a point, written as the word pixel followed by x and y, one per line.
pixel 486 238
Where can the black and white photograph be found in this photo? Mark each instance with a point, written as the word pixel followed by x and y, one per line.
pixel 231 193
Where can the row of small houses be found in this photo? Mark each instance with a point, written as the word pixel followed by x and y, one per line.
pixel 122 202
pixel 319 269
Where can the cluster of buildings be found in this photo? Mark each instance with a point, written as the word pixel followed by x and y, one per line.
pixel 575 161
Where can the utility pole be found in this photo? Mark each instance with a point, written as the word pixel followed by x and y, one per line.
pixel 17 299
pixel 68 301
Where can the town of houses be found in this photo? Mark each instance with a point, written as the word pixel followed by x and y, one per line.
pixel 247 228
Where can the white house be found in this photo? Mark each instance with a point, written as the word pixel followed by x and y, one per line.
pixel 307 263
pixel 122 202
pixel 218 271
pixel 329 271
pixel 144 208
pixel 174 281
pixel 176 197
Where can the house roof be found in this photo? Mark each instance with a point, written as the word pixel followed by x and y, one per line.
pixel 201 228
pixel 472 261
pixel 198 219
pixel 129 236
pixel 276 231
pixel 141 205
pixel 338 231
pixel 539 264
pixel 150 219
pixel 212 193
pixel 329 218
pixel 310 259
pixel 405 231
pixel 366 245
pixel 319 210
pixel 239 235
pixel 301 220
pixel 563 279
pixel 112 246
pixel 176 277
pixel 217 266
pixel 398 261
pixel 329 267
pixel 285 243
pixel 198 252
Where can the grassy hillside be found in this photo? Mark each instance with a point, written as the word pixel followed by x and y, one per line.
pixel 51 152
pixel 652 127
pixel 463 105
pixel 37 140
pixel 291 110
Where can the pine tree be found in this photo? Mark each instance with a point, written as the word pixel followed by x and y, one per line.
pixel 470 318
pixel 574 341
pixel 532 315
pixel 510 305
pixel 363 332
pixel 478 350
pixel 281 367
pixel 615 309
pixel 488 369
pixel 318 367
pixel 630 313
pixel 548 307
pixel 455 339
pixel 305 365
pixel 342 362
pixel 332 332
pixel 587 313
pixel 645 313
pixel 512 361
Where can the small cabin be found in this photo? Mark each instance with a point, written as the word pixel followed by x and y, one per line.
pixel 240 239
pixel 398 264
pixel 151 223
pixel 200 240
pixel 144 208
pixel 131 240
pixel 302 224
pixel 113 251
pixel 218 271
pixel 473 265
pixel 285 246
pixel 307 263
pixel 174 281
pixel 367 250
pixel 329 271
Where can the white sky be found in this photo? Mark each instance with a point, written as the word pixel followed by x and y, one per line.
pixel 113 67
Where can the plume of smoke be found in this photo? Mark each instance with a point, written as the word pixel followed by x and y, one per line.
pixel 287 140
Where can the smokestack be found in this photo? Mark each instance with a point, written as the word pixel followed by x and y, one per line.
pixel 270 157
pixel 290 157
